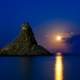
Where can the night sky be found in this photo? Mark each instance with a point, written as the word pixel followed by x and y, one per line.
pixel 41 14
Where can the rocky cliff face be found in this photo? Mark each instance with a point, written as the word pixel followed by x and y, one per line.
pixel 24 44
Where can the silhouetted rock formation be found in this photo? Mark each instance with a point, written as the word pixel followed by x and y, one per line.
pixel 24 44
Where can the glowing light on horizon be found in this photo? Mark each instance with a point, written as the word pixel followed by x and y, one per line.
pixel 58 67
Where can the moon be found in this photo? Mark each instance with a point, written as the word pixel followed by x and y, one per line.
pixel 58 38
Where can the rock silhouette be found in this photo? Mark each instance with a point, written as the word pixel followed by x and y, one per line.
pixel 24 44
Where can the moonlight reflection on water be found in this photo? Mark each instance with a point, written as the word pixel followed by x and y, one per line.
pixel 58 67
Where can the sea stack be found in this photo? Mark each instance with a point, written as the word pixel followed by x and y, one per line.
pixel 24 45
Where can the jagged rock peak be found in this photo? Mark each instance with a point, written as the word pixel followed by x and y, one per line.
pixel 25 26
pixel 24 44
pixel 26 34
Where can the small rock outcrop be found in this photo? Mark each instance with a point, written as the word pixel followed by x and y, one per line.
pixel 24 44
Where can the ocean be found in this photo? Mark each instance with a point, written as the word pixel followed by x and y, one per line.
pixel 40 68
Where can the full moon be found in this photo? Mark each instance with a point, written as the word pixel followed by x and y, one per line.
pixel 58 38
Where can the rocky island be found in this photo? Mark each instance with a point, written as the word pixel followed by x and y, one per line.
pixel 24 45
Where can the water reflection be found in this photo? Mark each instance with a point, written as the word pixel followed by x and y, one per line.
pixel 40 68
pixel 58 67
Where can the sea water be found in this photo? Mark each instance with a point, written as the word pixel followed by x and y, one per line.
pixel 40 68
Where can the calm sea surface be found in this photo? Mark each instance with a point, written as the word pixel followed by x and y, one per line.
pixel 40 68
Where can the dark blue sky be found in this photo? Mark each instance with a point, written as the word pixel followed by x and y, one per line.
pixel 14 12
